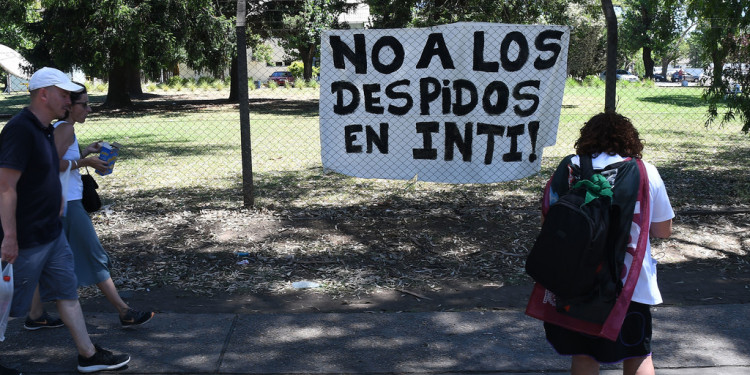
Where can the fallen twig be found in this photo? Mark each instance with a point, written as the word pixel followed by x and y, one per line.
pixel 413 294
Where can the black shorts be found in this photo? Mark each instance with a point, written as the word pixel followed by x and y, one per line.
pixel 634 339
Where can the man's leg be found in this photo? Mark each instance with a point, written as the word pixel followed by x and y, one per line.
pixel 90 358
pixel 59 282
pixel 71 313
pixel 37 307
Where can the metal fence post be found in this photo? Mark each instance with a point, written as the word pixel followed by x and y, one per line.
pixel 247 156
pixel 610 93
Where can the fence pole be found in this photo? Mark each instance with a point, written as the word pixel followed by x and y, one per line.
pixel 247 155
pixel 610 92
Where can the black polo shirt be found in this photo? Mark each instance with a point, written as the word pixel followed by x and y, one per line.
pixel 27 146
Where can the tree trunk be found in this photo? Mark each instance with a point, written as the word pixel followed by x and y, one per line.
pixel 648 62
pixel 134 81
pixel 234 82
pixel 117 93
pixel 717 58
pixel 718 54
pixel 610 88
pixel 307 61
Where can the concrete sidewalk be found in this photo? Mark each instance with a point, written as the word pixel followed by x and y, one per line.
pixel 690 340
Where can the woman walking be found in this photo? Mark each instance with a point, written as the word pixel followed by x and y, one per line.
pixel 92 262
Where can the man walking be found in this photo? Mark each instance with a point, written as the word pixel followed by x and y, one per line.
pixel 30 208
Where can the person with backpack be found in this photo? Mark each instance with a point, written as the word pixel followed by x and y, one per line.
pixel 608 139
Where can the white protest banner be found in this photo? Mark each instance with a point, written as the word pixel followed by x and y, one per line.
pixel 459 103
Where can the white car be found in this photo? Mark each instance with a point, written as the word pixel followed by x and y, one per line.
pixel 622 75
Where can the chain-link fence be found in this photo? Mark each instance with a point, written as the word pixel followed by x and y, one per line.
pixel 182 134
pixel 173 205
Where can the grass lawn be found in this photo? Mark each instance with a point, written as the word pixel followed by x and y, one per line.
pixel 174 141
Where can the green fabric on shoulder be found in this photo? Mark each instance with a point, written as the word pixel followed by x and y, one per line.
pixel 597 187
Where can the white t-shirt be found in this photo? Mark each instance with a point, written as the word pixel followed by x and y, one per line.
pixel 647 289
pixel 74 190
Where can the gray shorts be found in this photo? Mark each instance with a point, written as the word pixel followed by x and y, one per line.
pixel 51 267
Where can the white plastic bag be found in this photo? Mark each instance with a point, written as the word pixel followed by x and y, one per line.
pixel 6 297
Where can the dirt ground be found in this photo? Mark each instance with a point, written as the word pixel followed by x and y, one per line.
pixel 393 248
pixel 704 262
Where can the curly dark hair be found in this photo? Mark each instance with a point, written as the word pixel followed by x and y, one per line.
pixel 612 133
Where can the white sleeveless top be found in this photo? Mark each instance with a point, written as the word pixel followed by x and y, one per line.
pixel 74 190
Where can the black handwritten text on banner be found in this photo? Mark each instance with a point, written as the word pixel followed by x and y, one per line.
pixel 459 103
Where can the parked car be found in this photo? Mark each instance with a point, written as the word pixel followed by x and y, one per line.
pixel 684 76
pixel 690 77
pixel 282 78
pixel 660 78
pixel 622 75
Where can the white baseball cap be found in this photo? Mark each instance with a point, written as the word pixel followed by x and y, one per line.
pixel 47 77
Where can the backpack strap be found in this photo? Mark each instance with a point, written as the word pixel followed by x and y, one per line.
pixel 611 327
pixel 587 166
pixel 559 183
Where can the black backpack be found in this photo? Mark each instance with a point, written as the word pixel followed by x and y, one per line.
pixel 579 253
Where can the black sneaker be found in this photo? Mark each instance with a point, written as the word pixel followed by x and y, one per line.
pixel 8 371
pixel 135 317
pixel 102 360
pixel 44 321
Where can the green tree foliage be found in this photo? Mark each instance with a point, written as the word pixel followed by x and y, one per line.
pixel 697 53
pixel 117 39
pixel 737 74
pixel 587 50
pixel 302 29
pixel 395 13
pixel 14 14
pixel 297 69
pixel 651 26
pixel 391 14
pixel 724 27
pixel 12 35
pixel 263 52
pixel 258 28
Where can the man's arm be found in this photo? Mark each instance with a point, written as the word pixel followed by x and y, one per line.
pixel 8 201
